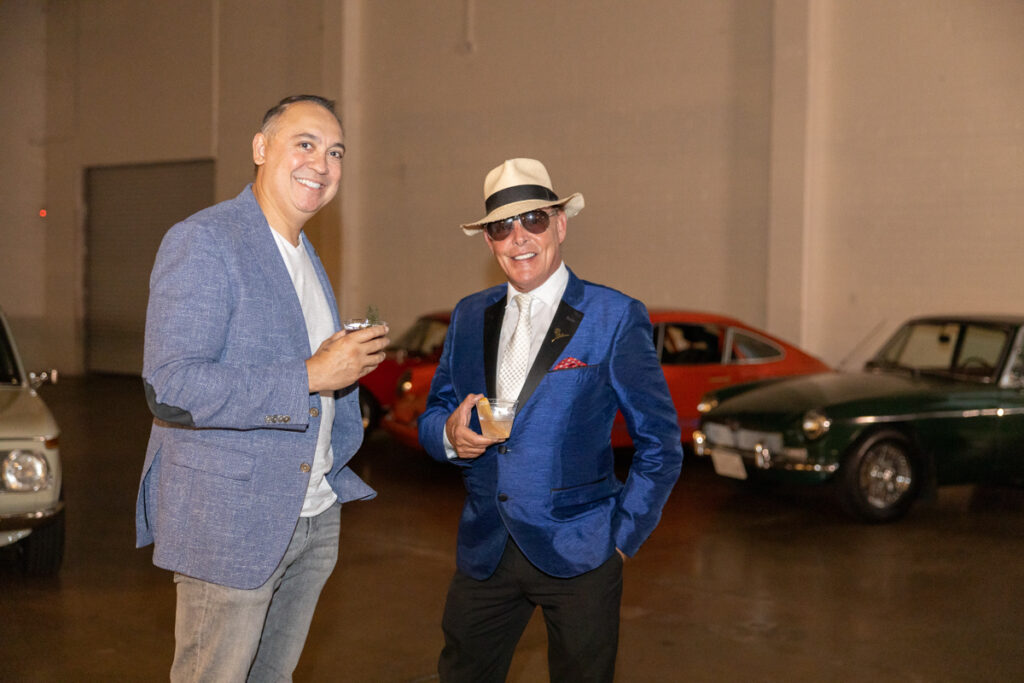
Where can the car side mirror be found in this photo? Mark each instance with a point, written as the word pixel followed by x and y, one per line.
pixel 38 379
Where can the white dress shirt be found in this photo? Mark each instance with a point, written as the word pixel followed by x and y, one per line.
pixel 542 311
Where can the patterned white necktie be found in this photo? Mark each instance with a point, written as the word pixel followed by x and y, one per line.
pixel 515 362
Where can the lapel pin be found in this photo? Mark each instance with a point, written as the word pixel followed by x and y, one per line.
pixel 558 334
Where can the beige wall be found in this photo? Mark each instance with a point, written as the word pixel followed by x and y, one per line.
pixel 23 234
pixel 819 167
pixel 922 197
pixel 658 112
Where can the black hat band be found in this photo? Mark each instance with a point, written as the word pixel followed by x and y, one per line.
pixel 518 193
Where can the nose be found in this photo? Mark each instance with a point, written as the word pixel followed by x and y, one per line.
pixel 518 232
pixel 318 162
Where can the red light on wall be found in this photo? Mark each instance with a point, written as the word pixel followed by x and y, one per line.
pixel 42 213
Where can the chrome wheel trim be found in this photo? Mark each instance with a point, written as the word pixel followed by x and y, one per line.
pixel 886 475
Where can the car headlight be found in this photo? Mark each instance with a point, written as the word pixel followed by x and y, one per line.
pixel 404 384
pixel 815 424
pixel 25 471
pixel 707 404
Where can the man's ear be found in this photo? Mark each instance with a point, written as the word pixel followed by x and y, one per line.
pixel 259 149
pixel 561 224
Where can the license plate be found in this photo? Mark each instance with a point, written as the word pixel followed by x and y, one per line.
pixel 728 464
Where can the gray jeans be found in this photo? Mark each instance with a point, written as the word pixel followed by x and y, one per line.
pixel 231 634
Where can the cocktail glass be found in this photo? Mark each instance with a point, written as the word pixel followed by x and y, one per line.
pixel 496 417
pixel 351 324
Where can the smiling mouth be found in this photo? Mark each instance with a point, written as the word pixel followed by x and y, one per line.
pixel 524 257
pixel 311 184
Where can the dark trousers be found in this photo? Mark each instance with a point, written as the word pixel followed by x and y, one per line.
pixel 483 621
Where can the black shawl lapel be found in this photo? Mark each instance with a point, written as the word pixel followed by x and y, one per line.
pixel 563 327
pixel 493 316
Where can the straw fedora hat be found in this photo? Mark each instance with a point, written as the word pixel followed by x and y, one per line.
pixel 518 186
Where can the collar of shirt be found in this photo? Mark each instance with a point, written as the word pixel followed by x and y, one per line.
pixel 542 311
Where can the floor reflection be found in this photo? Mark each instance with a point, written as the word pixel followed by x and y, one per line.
pixel 734 585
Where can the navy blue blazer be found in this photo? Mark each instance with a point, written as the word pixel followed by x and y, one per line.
pixel 552 484
pixel 235 426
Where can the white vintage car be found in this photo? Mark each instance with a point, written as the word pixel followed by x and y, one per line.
pixel 31 505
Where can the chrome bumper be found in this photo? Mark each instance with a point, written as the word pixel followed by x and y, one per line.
pixel 29 520
pixel 762 457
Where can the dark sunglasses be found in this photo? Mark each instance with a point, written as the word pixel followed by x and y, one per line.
pixel 536 221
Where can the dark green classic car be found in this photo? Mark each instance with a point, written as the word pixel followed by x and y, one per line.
pixel 942 402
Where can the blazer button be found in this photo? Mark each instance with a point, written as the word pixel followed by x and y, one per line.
pixel 304 467
pixel 313 412
pixel 286 419
pixel 503 449
pixel 502 497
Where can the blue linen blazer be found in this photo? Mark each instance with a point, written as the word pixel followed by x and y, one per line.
pixel 235 427
pixel 552 484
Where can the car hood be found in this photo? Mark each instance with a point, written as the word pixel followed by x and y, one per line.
pixel 843 395
pixel 23 414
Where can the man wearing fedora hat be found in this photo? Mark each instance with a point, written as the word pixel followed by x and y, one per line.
pixel 546 521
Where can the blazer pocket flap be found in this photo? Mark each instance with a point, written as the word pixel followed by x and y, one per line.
pixel 223 462
pixel 583 494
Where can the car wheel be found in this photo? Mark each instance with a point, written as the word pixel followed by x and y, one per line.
pixel 42 551
pixel 369 409
pixel 880 478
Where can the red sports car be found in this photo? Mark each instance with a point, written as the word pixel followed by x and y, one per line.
pixel 699 352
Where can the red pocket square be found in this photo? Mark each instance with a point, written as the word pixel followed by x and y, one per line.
pixel 569 362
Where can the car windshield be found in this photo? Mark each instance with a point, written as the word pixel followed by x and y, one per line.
pixel 966 350
pixel 424 338
pixel 8 368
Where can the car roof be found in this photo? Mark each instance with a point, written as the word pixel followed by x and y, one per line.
pixel 440 316
pixel 984 319
pixel 661 315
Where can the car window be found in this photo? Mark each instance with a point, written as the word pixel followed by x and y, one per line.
pixel 964 349
pixel 980 350
pixel 424 338
pixel 924 346
pixel 8 368
pixel 746 348
pixel 691 344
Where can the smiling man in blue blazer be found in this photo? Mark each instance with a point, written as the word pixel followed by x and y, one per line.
pixel 253 391
pixel 546 521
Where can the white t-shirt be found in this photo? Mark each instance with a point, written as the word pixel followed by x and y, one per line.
pixel 319 326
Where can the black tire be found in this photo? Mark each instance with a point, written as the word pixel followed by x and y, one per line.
pixel 42 551
pixel 880 477
pixel 369 409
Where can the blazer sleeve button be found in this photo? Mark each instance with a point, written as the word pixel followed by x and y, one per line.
pixel 304 467
pixel 502 497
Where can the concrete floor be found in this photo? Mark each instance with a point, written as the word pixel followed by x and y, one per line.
pixel 734 585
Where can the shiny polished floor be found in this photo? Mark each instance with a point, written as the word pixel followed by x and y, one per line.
pixel 734 585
